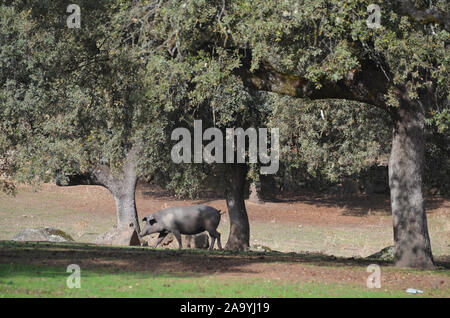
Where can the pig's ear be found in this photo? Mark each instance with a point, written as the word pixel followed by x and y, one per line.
pixel 144 219
pixel 152 221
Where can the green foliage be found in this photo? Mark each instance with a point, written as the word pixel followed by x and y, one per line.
pixel 321 40
pixel 329 139
pixel 437 159
pixel 137 70
pixel 68 96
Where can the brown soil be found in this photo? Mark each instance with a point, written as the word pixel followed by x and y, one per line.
pixel 308 267
pixel 306 209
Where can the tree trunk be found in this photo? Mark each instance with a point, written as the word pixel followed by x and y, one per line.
pixel 124 196
pixel 412 242
pixel 239 238
pixel 122 186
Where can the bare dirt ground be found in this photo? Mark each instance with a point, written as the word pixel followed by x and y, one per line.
pixel 304 209
pixel 353 226
pixel 320 230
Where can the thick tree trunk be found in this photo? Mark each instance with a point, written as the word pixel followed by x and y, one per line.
pixel 412 242
pixel 239 238
pixel 124 196
pixel 122 186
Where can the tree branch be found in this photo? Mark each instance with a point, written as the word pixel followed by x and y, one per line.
pixel 430 15
pixel 367 85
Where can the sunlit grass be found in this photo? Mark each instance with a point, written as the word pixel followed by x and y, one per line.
pixel 40 281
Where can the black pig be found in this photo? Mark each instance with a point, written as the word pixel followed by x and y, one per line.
pixel 187 220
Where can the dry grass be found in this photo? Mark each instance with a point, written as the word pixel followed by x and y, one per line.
pixel 308 225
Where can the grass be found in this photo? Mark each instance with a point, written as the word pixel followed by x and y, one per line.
pixel 346 241
pixel 60 210
pixel 112 273
pixel 43 281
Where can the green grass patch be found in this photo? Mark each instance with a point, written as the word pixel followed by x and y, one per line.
pixel 43 281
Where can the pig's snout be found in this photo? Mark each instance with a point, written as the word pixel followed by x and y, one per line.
pixel 144 230
pixel 142 233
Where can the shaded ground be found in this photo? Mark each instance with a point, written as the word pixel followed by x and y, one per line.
pixel 277 267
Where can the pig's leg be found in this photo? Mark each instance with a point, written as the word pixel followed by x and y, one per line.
pixel 218 241
pixel 213 240
pixel 161 237
pixel 178 237
pixel 215 235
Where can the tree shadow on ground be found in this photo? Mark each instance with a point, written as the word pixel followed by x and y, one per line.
pixel 185 263
pixel 349 205
pixel 355 205
pixel 156 193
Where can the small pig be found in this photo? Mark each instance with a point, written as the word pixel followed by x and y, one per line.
pixel 187 220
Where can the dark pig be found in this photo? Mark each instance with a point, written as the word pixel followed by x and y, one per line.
pixel 187 220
